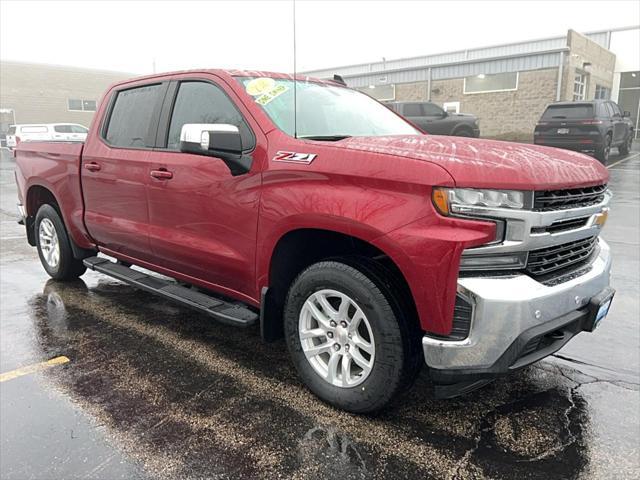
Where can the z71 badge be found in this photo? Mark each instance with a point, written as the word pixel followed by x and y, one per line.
pixel 294 157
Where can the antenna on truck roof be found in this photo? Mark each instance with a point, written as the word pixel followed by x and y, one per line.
pixel 295 96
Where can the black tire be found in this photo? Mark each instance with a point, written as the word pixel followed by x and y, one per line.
pixel 395 363
pixel 463 132
pixel 625 148
pixel 67 267
pixel 603 152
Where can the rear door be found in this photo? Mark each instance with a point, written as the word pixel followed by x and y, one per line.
pixel 115 171
pixel 203 219
pixel 619 125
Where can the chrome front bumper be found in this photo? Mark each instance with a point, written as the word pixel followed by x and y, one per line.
pixel 505 308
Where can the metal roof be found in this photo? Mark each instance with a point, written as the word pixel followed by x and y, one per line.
pixel 510 57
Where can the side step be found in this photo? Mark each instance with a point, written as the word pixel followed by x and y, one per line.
pixel 223 311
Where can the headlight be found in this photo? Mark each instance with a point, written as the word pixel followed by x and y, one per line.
pixel 458 200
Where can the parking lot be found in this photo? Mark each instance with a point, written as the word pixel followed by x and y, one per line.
pixel 151 390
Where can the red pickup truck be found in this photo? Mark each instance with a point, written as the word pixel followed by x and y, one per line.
pixel 371 247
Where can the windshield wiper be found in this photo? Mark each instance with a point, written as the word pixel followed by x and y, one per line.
pixel 325 138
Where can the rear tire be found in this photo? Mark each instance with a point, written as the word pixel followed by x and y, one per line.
pixel 625 148
pixel 378 356
pixel 603 152
pixel 54 247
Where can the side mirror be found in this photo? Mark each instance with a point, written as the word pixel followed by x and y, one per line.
pixel 219 140
pixel 626 114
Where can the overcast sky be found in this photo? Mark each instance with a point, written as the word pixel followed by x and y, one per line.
pixel 127 36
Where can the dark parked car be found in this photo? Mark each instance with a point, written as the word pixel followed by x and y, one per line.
pixel 433 119
pixel 593 127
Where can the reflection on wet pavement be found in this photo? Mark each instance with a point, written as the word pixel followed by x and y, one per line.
pixel 171 394
pixel 191 398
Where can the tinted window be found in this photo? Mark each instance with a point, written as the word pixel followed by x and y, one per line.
pixel 78 129
pixel 616 109
pixel 62 128
pixel 579 110
pixel 431 110
pixel 412 110
pixel 610 111
pixel 131 116
pixel 202 102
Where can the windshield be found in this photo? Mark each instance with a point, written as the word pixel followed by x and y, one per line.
pixel 324 112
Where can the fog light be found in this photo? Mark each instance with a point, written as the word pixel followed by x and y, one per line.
pixel 493 262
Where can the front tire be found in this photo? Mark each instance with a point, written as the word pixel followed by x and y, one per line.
pixel 602 153
pixel 346 341
pixel 54 247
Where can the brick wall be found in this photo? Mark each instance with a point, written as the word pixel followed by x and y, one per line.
pixel 39 93
pixel 600 71
pixel 504 115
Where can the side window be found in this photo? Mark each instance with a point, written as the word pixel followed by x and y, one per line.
pixel 413 110
pixel 203 102
pixel 609 110
pixel 62 128
pixel 616 109
pixel 131 116
pixel 78 129
pixel 431 110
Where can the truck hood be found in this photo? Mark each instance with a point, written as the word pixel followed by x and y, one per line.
pixel 481 163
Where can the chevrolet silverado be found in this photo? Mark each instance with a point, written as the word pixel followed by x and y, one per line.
pixel 316 212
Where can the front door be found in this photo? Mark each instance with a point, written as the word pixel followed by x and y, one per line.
pixel 115 172
pixel 203 219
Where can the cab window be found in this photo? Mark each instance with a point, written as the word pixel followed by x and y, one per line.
pixel 203 102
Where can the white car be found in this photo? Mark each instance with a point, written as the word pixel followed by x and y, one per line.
pixel 63 132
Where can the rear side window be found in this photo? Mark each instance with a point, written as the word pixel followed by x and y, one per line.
pixel 616 109
pixel 203 102
pixel 431 110
pixel 568 112
pixel 78 129
pixel 35 129
pixel 131 117
pixel 62 128
pixel 412 110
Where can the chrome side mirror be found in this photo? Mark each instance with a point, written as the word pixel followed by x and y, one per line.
pixel 219 140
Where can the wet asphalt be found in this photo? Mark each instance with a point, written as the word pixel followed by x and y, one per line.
pixel 153 390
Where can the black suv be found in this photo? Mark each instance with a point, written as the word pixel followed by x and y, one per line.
pixel 593 127
pixel 433 119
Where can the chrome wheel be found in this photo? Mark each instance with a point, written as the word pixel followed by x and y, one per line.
pixel 49 244
pixel 336 338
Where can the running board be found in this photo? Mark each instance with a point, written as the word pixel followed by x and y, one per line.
pixel 223 311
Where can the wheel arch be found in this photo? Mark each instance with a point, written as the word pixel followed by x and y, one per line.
pixel 301 247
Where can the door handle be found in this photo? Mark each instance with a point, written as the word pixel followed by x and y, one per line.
pixel 161 174
pixel 92 167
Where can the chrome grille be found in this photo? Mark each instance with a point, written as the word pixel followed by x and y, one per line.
pixel 572 198
pixel 559 257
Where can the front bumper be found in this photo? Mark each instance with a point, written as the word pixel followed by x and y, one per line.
pixel 508 314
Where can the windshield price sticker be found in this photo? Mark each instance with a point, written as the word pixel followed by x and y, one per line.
pixel 265 89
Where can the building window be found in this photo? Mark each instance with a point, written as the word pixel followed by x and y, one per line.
pixel 485 83
pixel 579 86
pixel 602 93
pixel 78 105
pixel 381 93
